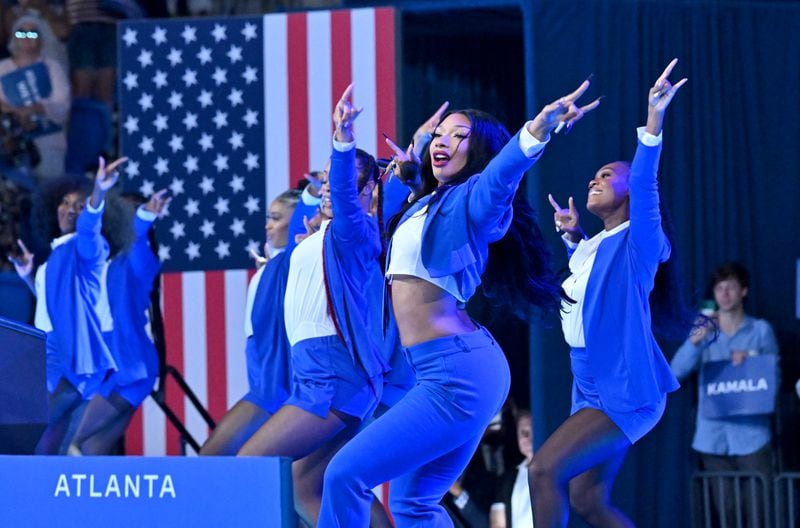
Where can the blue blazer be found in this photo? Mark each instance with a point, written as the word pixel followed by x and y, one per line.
pixel 351 252
pixel 129 281
pixel 75 348
pixel 466 218
pixel 268 363
pixel 630 369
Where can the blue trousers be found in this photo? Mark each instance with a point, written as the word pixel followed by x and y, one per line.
pixel 425 441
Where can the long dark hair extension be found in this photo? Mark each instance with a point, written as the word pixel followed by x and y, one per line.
pixel 368 171
pixel 519 274
pixel 672 319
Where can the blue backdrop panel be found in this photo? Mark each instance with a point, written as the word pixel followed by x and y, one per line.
pixel 23 389
pixel 142 491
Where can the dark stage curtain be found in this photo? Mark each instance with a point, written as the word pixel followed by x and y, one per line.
pixel 730 175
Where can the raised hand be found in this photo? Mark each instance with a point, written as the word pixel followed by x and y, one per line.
pixel 561 112
pixel 311 227
pixel 567 220
pixel 343 116
pixel 23 262
pixel 659 98
pixel 406 165
pixel 158 202
pixel 259 260
pixel 424 133
pixel 314 183
pixel 105 179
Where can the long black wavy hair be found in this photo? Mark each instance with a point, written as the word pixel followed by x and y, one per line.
pixel 518 275
pixel 672 318
pixel 117 214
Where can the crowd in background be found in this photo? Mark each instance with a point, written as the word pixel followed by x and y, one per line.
pixel 75 40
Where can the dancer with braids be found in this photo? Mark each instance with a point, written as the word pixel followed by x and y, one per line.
pixel 460 213
pixel 333 324
pixel 620 375
pixel 127 288
pixel 267 350
pixel 67 289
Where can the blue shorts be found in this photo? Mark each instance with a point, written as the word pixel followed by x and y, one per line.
pixel 634 424
pixel 325 377
pixel 270 406
pixel 92 46
pixel 268 374
pixel 134 393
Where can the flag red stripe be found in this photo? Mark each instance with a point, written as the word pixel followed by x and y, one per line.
pixel 173 329
pixel 297 60
pixel 385 76
pixel 134 438
pixel 216 376
pixel 341 60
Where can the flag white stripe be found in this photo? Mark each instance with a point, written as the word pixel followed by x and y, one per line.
pixel 195 363
pixel 235 361
pixel 276 106
pixel 319 88
pixel 154 432
pixel 362 22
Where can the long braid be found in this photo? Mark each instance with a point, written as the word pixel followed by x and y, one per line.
pixel 381 226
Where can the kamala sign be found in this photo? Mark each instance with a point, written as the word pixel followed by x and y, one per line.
pixel 145 491
pixel 739 390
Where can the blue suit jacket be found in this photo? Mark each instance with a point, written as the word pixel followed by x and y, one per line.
pixel 630 369
pixel 270 366
pixel 463 221
pixel 76 349
pixel 351 251
pixel 130 280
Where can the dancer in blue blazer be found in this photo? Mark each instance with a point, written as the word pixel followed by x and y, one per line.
pixel 620 375
pixel 438 253
pixel 333 324
pixel 128 284
pixel 67 289
pixel 269 371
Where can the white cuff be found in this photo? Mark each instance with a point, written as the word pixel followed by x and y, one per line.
pixel 529 145
pixel 98 209
pixel 343 147
pixel 309 199
pixel 498 506
pixel 144 214
pixel 648 139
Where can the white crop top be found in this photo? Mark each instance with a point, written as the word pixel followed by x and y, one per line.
pixel 305 307
pixel 406 255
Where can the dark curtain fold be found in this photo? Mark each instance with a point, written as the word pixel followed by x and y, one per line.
pixel 730 175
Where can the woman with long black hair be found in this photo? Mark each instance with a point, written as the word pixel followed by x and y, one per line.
pixel 462 211
pixel 620 375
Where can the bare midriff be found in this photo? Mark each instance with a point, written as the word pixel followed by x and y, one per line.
pixel 424 311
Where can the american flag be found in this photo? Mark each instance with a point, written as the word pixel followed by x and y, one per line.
pixel 227 113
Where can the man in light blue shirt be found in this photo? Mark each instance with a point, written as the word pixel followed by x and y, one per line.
pixel 741 442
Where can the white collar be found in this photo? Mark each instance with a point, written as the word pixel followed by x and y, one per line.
pixel 63 239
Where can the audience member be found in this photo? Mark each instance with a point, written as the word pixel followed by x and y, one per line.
pixel 29 117
pixel 729 442
pixel 513 506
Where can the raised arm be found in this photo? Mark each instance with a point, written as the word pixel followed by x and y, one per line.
pixel 352 224
pixel 491 197
pixel 647 235
pixel 143 262
pixel 91 245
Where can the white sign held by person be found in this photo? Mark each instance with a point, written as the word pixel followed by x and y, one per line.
pixel 738 390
